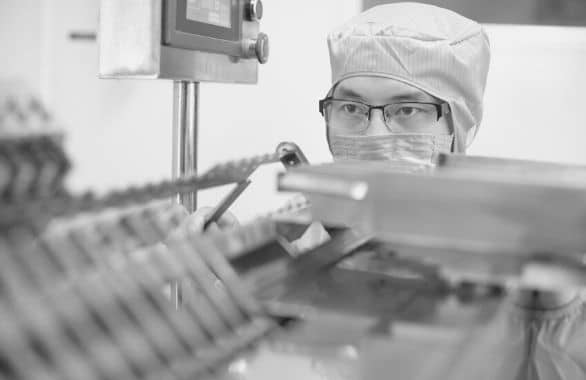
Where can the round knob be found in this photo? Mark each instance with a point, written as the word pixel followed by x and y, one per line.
pixel 254 10
pixel 261 48
pixel 256 48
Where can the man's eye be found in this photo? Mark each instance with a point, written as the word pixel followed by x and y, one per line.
pixel 350 108
pixel 407 111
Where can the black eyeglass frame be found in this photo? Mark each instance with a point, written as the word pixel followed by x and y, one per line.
pixel 441 108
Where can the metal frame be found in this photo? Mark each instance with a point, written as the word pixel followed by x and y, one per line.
pixel 131 46
pixel 134 43
pixel 488 211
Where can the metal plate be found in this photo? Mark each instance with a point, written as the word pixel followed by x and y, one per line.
pixel 338 346
pixel 451 210
pixel 131 46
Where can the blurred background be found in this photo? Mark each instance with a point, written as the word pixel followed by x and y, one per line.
pixel 119 131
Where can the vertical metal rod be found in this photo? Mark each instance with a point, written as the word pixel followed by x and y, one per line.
pixel 185 113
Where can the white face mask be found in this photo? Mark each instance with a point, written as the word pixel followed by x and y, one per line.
pixel 419 148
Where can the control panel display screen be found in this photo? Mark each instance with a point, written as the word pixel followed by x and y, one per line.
pixel 215 12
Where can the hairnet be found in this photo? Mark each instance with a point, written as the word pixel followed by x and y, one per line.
pixel 431 48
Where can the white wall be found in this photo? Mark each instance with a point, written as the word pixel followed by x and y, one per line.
pixel 20 41
pixel 535 98
pixel 118 132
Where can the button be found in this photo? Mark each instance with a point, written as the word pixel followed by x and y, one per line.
pixel 254 10
pixel 262 48
pixel 256 48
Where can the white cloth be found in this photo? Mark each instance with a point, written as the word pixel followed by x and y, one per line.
pixel 528 344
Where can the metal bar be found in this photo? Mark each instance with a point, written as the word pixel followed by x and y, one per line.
pixel 328 186
pixel 308 266
pixel 185 113
pixel 225 204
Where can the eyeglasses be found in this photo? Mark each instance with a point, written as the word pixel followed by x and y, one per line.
pixel 349 116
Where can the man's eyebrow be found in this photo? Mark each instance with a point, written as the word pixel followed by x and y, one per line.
pixel 415 96
pixel 346 92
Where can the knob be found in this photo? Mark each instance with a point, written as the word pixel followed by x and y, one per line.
pixel 262 48
pixel 258 48
pixel 254 10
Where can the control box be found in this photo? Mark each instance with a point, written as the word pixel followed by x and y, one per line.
pixel 187 40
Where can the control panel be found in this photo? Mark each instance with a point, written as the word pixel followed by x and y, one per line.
pixel 182 40
pixel 215 26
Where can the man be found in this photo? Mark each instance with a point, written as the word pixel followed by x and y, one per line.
pixel 427 64
pixel 423 67
pixel 407 82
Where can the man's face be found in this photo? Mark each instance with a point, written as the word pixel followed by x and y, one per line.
pixel 413 110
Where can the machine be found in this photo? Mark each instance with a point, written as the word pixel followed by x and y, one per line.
pixel 402 289
pixel 414 281
pixel 187 42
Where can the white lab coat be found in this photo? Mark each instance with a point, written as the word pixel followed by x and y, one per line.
pixel 528 344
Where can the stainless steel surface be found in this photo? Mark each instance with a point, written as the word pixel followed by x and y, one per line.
pixel 336 345
pixel 483 226
pixel 185 117
pixel 512 169
pixel 450 210
pixel 130 35
pixel 181 64
pixel 279 281
pixel 130 38
pixel 326 186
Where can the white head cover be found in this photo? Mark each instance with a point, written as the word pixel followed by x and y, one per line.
pixel 431 48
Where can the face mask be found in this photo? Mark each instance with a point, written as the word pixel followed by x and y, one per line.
pixel 418 148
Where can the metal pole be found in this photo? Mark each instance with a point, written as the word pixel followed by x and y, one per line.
pixel 185 107
pixel 185 112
